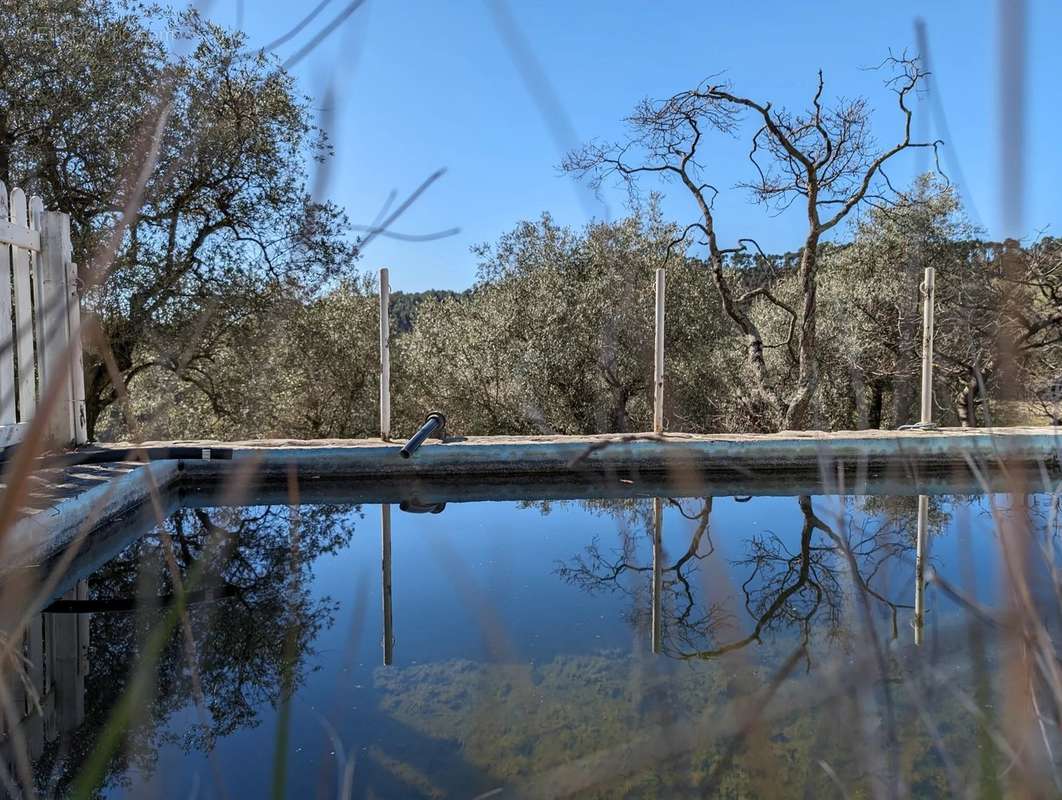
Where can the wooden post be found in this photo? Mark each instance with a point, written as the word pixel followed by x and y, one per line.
pixel 385 356
pixel 388 620
pixel 920 567
pixel 658 361
pixel 928 287
pixel 658 572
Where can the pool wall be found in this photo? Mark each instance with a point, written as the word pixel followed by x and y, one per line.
pixel 539 467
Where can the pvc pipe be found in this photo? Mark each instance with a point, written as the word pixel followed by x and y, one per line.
pixel 434 422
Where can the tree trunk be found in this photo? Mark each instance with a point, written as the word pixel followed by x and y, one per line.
pixel 98 395
pixel 797 413
pixel 877 403
pixel 966 403
pixel 904 398
pixel 857 397
pixel 617 415
pixel 100 391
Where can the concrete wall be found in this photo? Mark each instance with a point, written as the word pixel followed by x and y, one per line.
pixel 491 468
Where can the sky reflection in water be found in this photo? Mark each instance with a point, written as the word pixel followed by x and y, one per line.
pixel 523 639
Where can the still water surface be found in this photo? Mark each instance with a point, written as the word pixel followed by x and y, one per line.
pixel 537 649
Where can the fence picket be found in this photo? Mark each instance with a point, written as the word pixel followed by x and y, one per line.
pixel 36 222
pixel 27 377
pixel 73 312
pixel 55 370
pixel 7 352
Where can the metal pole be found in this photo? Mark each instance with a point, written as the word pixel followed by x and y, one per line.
pixel 658 363
pixel 385 356
pixel 928 287
pixel 920 567
pixel 658 573
pixel 388 620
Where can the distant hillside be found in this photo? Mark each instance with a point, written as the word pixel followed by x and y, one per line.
pixel 404 306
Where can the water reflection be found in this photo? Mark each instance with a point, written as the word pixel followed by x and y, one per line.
pixel 658 574
pixel 922 543
pixel 45 690
pixel 385 557
pixel 800 589
pixel 245 584
pixel 724 592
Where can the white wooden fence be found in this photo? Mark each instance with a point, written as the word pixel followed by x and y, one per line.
pixel 40 323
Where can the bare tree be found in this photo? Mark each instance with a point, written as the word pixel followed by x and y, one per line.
pixel 824 158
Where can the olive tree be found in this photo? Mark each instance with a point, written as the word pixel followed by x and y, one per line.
pixel 872 302
pixel 306 369
pixel 557 335
pixel 997 308
pixel 823 159
pixel 184 170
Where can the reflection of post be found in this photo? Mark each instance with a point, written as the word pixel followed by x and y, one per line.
pixel 69 651
pixel 388 623
pixel 658 573
pixel 920 567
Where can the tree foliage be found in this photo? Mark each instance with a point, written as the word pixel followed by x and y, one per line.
pixel 228 304
pixel 184 170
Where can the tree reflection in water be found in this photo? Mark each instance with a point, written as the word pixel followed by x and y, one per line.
pixel 465 723
pixel 252 630
pixel 783 588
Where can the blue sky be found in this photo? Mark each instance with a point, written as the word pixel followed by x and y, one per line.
pixel 421 85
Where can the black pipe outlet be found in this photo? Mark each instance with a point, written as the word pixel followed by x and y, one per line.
pixel 417 507
pixel 436 421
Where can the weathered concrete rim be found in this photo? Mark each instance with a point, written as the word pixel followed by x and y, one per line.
pixel 493 456
pixel 950 461
pixel 35 538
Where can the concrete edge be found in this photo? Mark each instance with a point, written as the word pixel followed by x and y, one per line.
pixel 923 462
pixel 645 453
pixel 37 537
